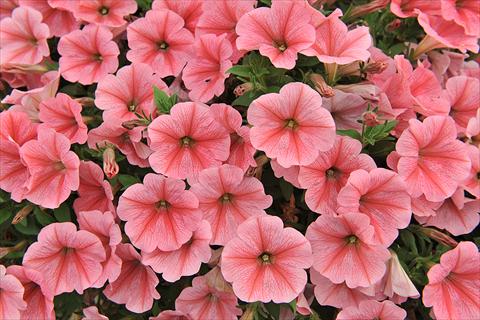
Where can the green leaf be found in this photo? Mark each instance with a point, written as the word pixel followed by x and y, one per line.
pixel 145 5
pixel 286 188
pixel 240 70
pixel 409 240
pixel 62 214
pixel 304 61
pixel 162 101
pixel 27 226
pixel 273 309
pixel 246 99
pixel 42 217
pixel 127 180
pixel 350 133
pixel 293 306
pixel 5 214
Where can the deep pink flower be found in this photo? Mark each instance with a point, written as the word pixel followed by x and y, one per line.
pixel 464 94
pixel 160 40
pixel 11 300
pixel 325 176
pixel 205 74
pixel 62 114
pixel 160 213
pixel 187 141
pixel 227 199
pixel 432 162
pixel 472 183
pixel 108 13
pixel 464 13
pixel 385 310
pixel 189 10
pixel 291 126
pixel 186 260
pixel 135 286
pixel 346 109
pixel 88 55
pixel 53 168
pixel 23 37
pixel 91 313
pixel 265 261
pixel 452 288
pixel 280 41
pixel 39 301
pixel 345 243
pixel 71 259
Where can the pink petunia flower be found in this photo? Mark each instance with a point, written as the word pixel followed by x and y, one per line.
pixel 91 313
pixel 227 199
pixel 205 74
pixel 291 126
pixel 473 129
pixel 186 260
pixel 104 227
pixel 23 37
pixel 71 259
pixel 53 168
pixel 241 149
pixel 7 7
pixel 207 299
pixel 128 92
pixel 472 183
pixel 94 193
pixel 159 213
pixel 160 40
pixel 181 149
pixel 452 288
pixel 345 243
pixel 464 94
pixel 189 10
pixel 279 32
pixel 385 310
pixel 221 17
pixel 346 109
pixel 325 176
pixel 405 8
pixel 108 13
pixel 171 315
pixel 289 174
pixel 135 286
pixel 39 301
pixel 265 261
pixel 11 300
pixel 63 114
pixel 432 162
pixel 88 55
pixel 59 21
pixel 381 195
pixel 465 13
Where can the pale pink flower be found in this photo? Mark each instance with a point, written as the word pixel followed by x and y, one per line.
pixel 452 288
pixel 472 183
pixel 279 32
pixel 160 40
pixel 187 141
pixel 94 193
pixel 381 195
pixel 346 109
pixel 464 13
pixel 189 10
pixel 63 114
pixel 385 310
pixel 205 74
pixel 289 174
pixel 7 7
pixel 396 284
pixel 344 243
pixel 135 286
pixel 104 227
pixel 464 94
pixel 334 43
pixel 265 261
pixel 53 168
pixel 186 260
pixel 108 13
pixel 23 37
pixel 227 199
pixel 88 55
pixel 325 176
pixel 39 301
pixel 11 300
pixel 91 313
pixel 171 315
pixel 159 213
pixel 128 92
pixel 291 126
pixel 406 8
pixel 70 259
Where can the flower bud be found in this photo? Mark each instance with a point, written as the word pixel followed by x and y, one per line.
pixel 439 236
pixel 321 85
pixel 367 8
pixel 110 166
pixel 240 90
pixel 23 213
pixel 370 119
pixel 375 67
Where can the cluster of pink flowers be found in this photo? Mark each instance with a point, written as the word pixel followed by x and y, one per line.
pixel 201 207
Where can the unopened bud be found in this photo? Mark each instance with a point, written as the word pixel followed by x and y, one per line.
pixel 86 101
pixel 110 166
pixel 6 250
pixel 130 124
pixel 375 67
pixel 370 119
pixel 394 25
pixel 240 90
pixel 23 213
pixel 367 8
pixel 321 85
pixel 439 236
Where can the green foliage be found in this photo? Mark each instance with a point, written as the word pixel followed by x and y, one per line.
pixel 62 214
pixel 163 102
pixel 144 5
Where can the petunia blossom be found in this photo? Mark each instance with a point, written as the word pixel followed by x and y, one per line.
pixel 159 213
pixel 91 313
pixel 385 310
pixel 289 174
pixel 227 198
pixel 108 13
pixel 53 168
pixel 279 32
pixel 135 286
pixel 88 55
pixel 171 315
pixel 464 13
pixel 464 95
pixel 71 259
pixel 160 40
pixel 325 176
pixel 452 288
pixel 346 109
pixel 265 261
pixel 432 161
pixel 186 260
pixel 11 300
pixel 472 183
pixel 405 8
pixel 344 243
pixel 7 7
pixel 182 150
pixel 23 37
pixel 189 10
pixel 291 126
